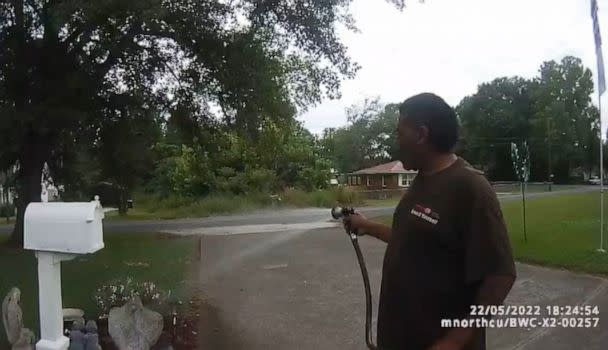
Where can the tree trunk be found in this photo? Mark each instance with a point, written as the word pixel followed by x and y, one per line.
pixel 122 202
pixel 35 153
pixel 28 160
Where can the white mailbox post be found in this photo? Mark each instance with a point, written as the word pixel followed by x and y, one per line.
pixel 59 231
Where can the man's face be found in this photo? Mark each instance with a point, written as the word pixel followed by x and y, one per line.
pixel 411 139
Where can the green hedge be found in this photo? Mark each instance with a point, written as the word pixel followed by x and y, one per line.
pixel 150 206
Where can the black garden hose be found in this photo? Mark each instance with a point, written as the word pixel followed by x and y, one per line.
pixel 340 213
pixel 368 293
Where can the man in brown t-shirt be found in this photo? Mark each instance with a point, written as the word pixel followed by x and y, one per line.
pixel 448 248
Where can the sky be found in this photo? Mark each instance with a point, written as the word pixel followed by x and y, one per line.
pixel 449 47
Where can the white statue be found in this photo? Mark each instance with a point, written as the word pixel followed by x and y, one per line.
pixel 12 317
pixel 91 339
pixel 49 192
pixel 77 335
pixel 133 327
pixel 44 194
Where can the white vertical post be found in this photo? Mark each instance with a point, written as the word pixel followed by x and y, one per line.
pixel 50 304
pixel 601 87
pixel 601 249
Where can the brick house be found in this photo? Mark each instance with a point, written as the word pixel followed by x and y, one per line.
pixel 389 176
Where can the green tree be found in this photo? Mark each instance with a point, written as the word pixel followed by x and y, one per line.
pixel 553 112
pixel 124 151
pixel 497 114
pixel 66 67
pixel 565 121
pixel 299 160
pixel 368 139
pixel 383 133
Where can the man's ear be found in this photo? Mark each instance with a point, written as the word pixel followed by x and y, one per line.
pixel 423 135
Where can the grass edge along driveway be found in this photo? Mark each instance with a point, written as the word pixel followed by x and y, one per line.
pixel 563 231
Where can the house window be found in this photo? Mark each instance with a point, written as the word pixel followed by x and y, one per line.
pixel 383 183
pixel 358 180
pixel 367 180
pixel 405 180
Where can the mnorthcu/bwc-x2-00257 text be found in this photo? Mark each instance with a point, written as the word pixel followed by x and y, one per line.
pixel 528 316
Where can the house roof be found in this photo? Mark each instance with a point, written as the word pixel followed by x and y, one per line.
pixel 394 167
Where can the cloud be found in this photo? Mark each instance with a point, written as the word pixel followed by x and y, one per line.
pixel 449 47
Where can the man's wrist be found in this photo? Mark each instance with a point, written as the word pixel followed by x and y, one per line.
pixel 367 229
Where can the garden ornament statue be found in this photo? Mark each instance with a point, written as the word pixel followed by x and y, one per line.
pixel 19 337
pixel 91 339
pixel 77 335
pixel 133 327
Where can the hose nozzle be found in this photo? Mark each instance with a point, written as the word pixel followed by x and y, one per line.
pixel 339 212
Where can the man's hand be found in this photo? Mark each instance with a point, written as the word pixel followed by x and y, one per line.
pixel 362 226
pixel 356 222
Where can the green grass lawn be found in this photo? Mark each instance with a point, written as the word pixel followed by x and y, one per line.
pixel 531 188
pixel 389 202
pixel 510 189
pixel 506 189
pixel 10 221
pixel 161 259
pixel 562 231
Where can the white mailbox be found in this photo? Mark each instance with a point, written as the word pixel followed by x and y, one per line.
pixel 58 232
pixel 73 228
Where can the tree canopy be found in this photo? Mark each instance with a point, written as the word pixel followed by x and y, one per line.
pixel 89 74
pixel 552 112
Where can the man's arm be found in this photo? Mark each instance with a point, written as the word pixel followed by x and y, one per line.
pixel 378 230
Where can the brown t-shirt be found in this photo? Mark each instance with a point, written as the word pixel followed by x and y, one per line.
pixel 448 234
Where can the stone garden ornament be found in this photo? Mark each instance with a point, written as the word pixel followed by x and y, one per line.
pixel 91 339
pixel 77 335
pixel 84 337
pixel 133 327
pixel 19 337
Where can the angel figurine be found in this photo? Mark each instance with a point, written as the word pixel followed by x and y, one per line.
pixel 19 337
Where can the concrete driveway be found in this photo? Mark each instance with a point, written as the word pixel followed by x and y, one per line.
pixel 302 289
pixel 288 279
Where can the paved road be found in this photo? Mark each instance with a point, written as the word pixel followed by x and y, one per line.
pixel 302 289
pixel 280 216
pixel 283 220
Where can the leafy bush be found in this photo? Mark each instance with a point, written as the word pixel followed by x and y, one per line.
pixel 178 206
pixel 344 196
pixel 322 198
pixel 119 292
pixel 295 198
pixel 314 176
pixel 261 180
pixel 219 204
pixel 226 162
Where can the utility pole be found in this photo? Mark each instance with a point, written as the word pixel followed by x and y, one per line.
pixel 549 173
